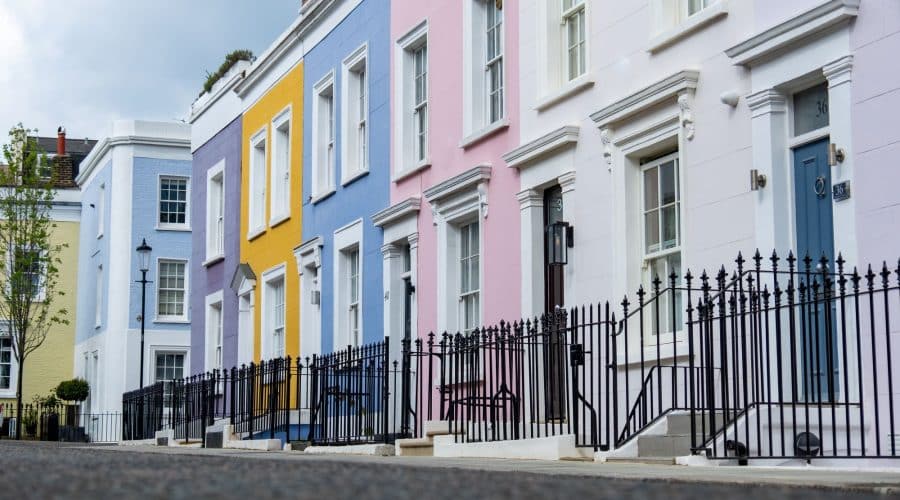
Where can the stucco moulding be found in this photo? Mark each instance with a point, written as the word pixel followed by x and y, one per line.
pixel 544 145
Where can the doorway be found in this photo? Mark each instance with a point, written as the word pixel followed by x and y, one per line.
pixel 554 299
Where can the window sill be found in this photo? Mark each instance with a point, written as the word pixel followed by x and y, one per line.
pixel 8 394
pixel 171 321
pixel 409 172
pixel 568 90
pixel 690 25
pixel 182 229
pixel 320 197
pixel 255 233
pixel 484 133
pixel 215 259
pixel 352 178
pixel 275 221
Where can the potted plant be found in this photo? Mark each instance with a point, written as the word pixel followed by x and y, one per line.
pixel 74 392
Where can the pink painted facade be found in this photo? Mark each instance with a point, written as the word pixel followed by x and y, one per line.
pixel 499 219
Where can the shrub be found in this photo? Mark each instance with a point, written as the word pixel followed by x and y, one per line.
pixel 230 60
pixel 76 389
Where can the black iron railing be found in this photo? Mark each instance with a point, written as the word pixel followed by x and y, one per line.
pixel 61 422
pixel 144 413
pixel 263 397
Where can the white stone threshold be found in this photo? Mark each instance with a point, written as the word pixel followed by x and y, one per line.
pixel 545 448
pixel 375 450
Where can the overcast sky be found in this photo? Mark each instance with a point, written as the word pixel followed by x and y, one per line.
pixel 84 63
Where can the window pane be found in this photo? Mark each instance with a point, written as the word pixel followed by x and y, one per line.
pixel 667 182
pixel 651 189
pixel 651 231
pixel 670 227
pixel 811 109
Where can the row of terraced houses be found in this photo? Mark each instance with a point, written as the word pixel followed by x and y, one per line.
pixel 525 228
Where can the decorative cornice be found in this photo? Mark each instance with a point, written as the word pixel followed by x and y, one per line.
pixel 567 181
pixel 394 213
pixel 312 246
pixel 242 273
pixel 665 89
pixel 838 72
pixel 530 198
pixel 413 240
pixel 390 251
pixel 100 150
pixel 766 101
pixel 562 137
pixel 466 180
pixel 687 116
pixel 798 29
pixel 606 141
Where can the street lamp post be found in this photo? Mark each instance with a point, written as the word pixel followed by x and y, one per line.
pixel 144 258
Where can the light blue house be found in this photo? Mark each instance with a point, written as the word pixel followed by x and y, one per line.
pixel 136 186
pixel 346 179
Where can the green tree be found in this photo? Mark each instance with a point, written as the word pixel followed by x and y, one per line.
pixel 29 259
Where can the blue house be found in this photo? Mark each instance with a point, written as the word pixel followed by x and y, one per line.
pixel 346 178
pixel 136 187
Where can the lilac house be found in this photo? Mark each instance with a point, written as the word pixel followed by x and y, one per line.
pixel 215 198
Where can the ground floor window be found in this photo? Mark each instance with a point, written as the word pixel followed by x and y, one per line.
pixel 169 367
pixel 5 362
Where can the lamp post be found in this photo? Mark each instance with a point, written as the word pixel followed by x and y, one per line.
pixel 143 252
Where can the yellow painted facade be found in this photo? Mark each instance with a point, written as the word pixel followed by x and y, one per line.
pixel 52 363
pixel 274 246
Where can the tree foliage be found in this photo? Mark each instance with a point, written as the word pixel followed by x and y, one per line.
pixel 76 389
pixel 29 258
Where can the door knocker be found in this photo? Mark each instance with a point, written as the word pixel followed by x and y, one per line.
pixel 819 188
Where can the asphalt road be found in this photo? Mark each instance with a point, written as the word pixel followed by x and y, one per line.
pixel 39 470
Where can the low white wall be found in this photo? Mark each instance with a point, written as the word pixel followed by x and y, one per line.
pixel 547 448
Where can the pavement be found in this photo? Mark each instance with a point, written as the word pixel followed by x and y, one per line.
pixel 50 470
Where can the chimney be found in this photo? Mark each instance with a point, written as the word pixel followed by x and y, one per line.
pixel 61 141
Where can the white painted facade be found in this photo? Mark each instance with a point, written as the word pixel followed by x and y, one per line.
pixel 108 353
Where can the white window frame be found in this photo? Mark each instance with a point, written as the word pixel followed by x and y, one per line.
pixel 9 392
pixel 214 326
pixel 324 154
pixel 101 210
pixel 577 10
pixel 215 212
pixel 464 267
pixel 98 298
pixel 256 213
pixel 649 257
pixel 407 161
pixel 270 279
pixel 355 95
pixel 672 20
pixel 173 226
pixel 477 119
pixel 183 318
pixel 167 388
pixel 280 201
pixel 41 294
pixel 43 158
pixel 348 239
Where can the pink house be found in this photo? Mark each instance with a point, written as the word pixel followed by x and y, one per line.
pixel 452 250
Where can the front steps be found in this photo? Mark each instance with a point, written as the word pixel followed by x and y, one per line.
pixel 423 447
pixel 664 448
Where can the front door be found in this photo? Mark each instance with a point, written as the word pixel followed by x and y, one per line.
pixel 555 340
pixel 815 238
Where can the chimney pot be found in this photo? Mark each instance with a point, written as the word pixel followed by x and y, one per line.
pixel 61 141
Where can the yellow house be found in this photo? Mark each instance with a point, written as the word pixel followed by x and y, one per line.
pixel 271 211
pixel 52 363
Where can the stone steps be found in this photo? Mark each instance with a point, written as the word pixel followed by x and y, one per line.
pixel 424 446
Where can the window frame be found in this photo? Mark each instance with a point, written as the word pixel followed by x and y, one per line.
pixel 168 383
pixel 41 293
pixel 173 226
pixel 324 174
pixel 45 165
pixel 347 240
pixel 270 280
pixel 577 10
pixel 172 318
pixel 257 195
pixel 215 212
pixel 405 152
pixel 214 334
pixel 420 104
pixel 354 299
pixel 11 375
pixel 356 94
pixel 280 201
pixel 101 210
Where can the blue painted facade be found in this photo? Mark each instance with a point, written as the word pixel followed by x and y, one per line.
pixel 208 279
pixel 167 244
pixel 368 23
pixel 93 253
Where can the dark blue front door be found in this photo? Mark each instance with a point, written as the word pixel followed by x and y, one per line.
pixel 815 238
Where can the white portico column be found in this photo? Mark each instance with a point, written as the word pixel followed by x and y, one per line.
pixel 840 129
pixel 773 202
pixel 393 297
pixel 567 184
pixel 531 206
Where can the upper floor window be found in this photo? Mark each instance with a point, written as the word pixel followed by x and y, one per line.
pixel 173 202
pixel 25 276
pixel 675 15
pixel 323 133
pixel 281 167
pixel 355 143
pixel 172 290
pixel 484 71
pixel 695 6
pixel 573 20
pixel 257 184
pixel 215 212
pixel 411 146
pixel 101 210
pixel 45 166
pixel 494 60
